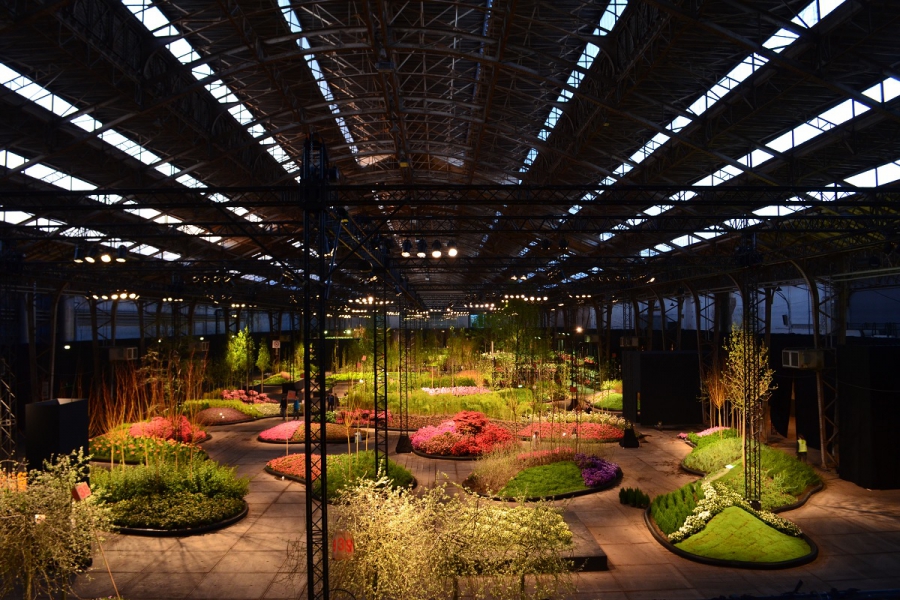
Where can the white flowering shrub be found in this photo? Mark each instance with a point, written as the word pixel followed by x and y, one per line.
pixel 438 545
pixel 717 497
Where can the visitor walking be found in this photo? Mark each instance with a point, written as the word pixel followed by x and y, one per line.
pixel 296 408
pixel 801 448
pixel 283 405
pixel 331 400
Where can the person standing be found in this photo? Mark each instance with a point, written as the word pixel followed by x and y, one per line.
pixel 801 448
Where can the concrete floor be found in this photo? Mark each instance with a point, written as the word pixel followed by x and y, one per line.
pixel 857 531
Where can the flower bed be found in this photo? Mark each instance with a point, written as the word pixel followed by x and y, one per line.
pixel 362 417
pixel 457 390
pixel 573 416
pixel 294 431
pixel 176 428
pixel 117 446
pixel 467 434
pixel 222 416
pixel 344 470
pixel 585 431
pixel 596 471
pixel 251 397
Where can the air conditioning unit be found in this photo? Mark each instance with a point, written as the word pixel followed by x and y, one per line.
pixel 630 341
pixel 123 353
pixel 803 358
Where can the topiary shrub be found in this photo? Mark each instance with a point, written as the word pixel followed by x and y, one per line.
pixel 670 510
pixel 634 497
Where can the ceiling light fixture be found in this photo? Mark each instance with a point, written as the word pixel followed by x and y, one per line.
pixel 406 248
pixel 436 249
pixel 105 257
pixel 79 255
pixel 91 256
pixel 121 254
pixel 421 248
pixel 451 249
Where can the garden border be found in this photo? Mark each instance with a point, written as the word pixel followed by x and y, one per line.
pixel 188 531
pixel 607 486
pixel 737 564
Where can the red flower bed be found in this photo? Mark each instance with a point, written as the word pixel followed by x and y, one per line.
pixel 179 429
pixel 585 431
pixel 294 465
pixel 469 433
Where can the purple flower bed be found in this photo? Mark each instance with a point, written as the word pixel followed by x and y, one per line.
pixel 596 471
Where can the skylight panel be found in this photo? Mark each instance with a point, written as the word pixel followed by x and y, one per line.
pixel 661 248
pixel 882 175
pixel 14 217
pixel 573 210
pixel 144 213
pixel 776 210
pixel 169 256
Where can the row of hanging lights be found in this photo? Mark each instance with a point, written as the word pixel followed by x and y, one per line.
pixel 421 249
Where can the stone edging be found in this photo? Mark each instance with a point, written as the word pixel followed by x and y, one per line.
pixel 737 564
pixel 187 531
pixel 607 486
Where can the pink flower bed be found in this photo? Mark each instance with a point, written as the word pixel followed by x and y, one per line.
pixel 457 390
pixel 704 433
pixel 282 432
pixel 585 431
pixel 251 397
pixel 165 429
pixel 293 465
pixel 468 433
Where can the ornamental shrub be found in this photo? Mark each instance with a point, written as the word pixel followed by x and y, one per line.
pixel 469 422
pixel 670 510
pixel 634 497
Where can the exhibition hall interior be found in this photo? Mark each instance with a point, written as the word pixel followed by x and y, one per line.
pixel 451 299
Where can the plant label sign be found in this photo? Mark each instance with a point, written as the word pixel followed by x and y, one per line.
pixel 81 491
pixel 342 545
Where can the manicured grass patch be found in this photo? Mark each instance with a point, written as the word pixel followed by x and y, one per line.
pixel 609 401
pixel 735 534
pixel 118 446
pixel 546 480
pixel 170 496
pixel 784 477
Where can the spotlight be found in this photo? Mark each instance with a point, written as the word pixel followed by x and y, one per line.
pixel 406 248
pixel 79 254
pixel 421 249
pixel 451 249
pixel 105 257
pixel 436 249
pixel 563 244
pixel 121 254
pixel 91 256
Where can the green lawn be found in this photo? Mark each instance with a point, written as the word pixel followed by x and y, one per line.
pixel 546 480
pixel 610 401
pixel 735 534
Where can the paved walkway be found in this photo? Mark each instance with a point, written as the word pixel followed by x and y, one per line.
pixel 857 530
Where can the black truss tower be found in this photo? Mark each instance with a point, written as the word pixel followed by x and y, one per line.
pixel 379 363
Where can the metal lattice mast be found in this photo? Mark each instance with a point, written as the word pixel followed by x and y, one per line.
pixel 404 444
pixel 747 257
pixel 379 363
pixel 8 427
pixel 318 262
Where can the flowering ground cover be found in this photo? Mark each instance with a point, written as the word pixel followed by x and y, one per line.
pixel 586 431
pixel 343 470
pixel 117 446
pixel 221 416
pixel 362 417
pixel 165 428
pixel 457 390
pixel 467 434
pixel 251 397
pixel 294 431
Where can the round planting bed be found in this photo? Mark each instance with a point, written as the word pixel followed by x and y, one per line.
pixel 594 490
pixel 738 564
pixel 188 530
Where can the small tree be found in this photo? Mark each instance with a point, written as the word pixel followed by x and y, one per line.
pixel 240 353
pixel 712 388
pixel 748 376
pixel 263 359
